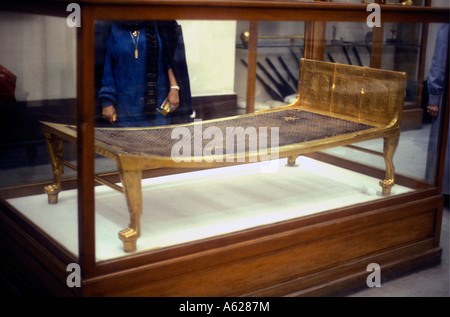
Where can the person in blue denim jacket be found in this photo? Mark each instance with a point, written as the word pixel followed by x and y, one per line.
pixel 435 85
pixel 144 65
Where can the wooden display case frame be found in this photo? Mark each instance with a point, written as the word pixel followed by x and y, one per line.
pixel 322 254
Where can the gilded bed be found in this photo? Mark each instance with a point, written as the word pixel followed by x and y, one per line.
pixel 337 105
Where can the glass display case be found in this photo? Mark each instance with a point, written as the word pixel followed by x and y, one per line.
pixel 309 220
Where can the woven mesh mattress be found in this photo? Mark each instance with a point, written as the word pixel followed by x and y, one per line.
pixel 294 125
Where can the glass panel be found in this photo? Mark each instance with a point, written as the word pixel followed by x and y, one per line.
pixel 38 83
pixel 401 53
pixel 440 3
pixel 280 45
pixel 348 43
pixel 197 56
pixel 401 49
pixel 186 207
pixel 167 206
pixel 437 52
pixel 212 41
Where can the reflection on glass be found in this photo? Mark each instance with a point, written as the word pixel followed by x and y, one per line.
pixel 37 82
pixel 280 45
pixel 351 43
pixel 348 43
pixel 207 47
pixel 144 77
pixel 197 56
pixel 435 85
pixel 401 52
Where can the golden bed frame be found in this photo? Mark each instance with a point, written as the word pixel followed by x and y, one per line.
pixel 337 105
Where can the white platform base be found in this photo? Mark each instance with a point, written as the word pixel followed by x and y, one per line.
pixel 191 206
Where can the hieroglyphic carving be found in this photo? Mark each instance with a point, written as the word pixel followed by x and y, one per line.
pixel 375 101
pixel 347 96
pixel 318 88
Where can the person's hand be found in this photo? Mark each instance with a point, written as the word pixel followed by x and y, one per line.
pixel 109 113
pixel 433 110
pixel 174 99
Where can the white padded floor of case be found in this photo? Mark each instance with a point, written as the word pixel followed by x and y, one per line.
pixel 202 204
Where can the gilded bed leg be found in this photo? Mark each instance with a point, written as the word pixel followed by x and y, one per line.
pixel 291 160
pixel 390 145
pixel 131 182
pixel 55 148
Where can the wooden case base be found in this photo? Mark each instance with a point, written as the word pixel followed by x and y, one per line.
pixel 320 255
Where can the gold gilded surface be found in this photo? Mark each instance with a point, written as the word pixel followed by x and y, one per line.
pixel 360 92
pixel 337 105
pixel 55 148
